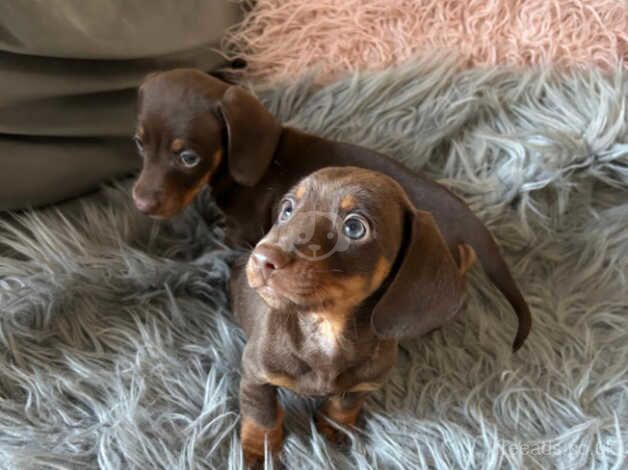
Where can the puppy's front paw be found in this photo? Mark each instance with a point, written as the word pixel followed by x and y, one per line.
pixel 256 462
pixel 331 433
pixel 255 438
pixel 341 409
pixel 252 460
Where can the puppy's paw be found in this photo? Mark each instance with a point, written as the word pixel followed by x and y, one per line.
pixel 253 461
pixel 343 410
pixel 331 433
pixel 256 462
pixel 255 439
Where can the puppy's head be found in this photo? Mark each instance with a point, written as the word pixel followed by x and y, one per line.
pixel 344 235
pixel 188 123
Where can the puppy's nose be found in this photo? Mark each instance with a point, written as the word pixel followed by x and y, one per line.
pixel 147 205
pixel 270 258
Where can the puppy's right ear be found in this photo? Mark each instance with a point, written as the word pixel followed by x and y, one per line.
pixel 427 289
pixel 253 134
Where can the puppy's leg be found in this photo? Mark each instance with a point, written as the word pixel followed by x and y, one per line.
pixel 262 421
pixel 343 409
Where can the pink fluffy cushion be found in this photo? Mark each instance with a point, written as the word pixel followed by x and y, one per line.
pixel 280 39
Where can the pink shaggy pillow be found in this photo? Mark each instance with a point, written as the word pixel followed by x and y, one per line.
pixel 280 39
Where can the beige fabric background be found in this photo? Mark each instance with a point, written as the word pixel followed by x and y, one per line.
pixel 68 73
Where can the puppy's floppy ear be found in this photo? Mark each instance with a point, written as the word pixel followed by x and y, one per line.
pixel 253 134
pixel 426 290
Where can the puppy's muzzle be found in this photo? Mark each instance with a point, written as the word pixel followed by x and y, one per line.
pixel 265 260
pixel 147 202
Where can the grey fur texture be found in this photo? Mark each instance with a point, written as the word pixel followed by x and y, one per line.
pixel 117 349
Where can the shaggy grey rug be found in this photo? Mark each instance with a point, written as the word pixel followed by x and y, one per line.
pixel 117 348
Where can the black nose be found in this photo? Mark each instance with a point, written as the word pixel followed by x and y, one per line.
pixel 270 258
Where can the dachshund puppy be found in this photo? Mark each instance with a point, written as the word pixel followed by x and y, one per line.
pixel 195 130
pixel 348 268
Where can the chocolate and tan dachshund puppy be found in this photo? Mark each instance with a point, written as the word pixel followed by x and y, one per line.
pixel 195 130
pixel 349 266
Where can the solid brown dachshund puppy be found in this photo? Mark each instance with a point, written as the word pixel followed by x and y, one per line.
pixel 348 268
pixel 195 130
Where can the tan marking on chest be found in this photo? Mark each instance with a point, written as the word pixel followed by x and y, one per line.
pixel 330 325
pixel 140 132
pixel 343 294
pixel 176 145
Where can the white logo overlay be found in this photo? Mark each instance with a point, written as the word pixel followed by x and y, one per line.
pixel 303 244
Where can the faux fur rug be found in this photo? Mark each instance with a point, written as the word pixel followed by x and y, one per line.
pixel 117 348
pixel 281 38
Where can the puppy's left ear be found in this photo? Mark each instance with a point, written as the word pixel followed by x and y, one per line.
pixel 253 134
pixel 426 291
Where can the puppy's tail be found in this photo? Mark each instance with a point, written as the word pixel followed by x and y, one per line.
pixel 490 258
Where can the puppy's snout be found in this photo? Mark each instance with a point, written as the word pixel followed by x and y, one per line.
pixel 146 206
pixel 268 259
pixel 146 203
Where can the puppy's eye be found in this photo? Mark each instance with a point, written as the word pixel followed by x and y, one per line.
pixel 189 159
pixel 355 227
pixel 139 145
pixel 286 210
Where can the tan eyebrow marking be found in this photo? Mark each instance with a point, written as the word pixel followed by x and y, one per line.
pixel 176 145
pixel 348 202
pixel 300 192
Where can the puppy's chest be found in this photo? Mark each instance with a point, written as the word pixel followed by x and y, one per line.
pixel 322 357
pixel 326 341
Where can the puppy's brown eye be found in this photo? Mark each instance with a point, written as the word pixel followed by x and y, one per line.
pixel 139 145
pixel 189 159
pixel 286 210
pixel 355 227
